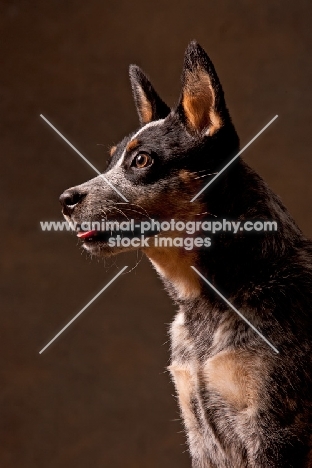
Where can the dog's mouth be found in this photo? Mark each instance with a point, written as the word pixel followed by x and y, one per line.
pixel 94 236
pixel 86 234
pixel 97 238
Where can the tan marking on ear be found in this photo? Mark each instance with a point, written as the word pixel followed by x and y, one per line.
pixel 199 103
pixel 235 375
pixel 216 122
pixel 132 145
pixel 146 110
pixel 112 150
pixel 174 264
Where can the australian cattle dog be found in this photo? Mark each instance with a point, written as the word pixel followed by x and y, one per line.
pixel 244 404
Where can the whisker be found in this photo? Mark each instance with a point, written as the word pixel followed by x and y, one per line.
pixel 206 175
pixel 206 212
pixel 138 261
pixel 136 205
pixel 136 211
pixel 119 211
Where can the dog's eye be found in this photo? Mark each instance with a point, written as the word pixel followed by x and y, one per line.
pixel 142 160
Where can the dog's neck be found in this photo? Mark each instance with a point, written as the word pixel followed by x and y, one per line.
pixel 231 258
pixel 173 264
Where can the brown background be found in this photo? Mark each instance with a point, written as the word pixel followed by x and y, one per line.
pixel 99 396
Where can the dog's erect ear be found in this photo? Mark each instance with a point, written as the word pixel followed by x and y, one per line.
pixel 149 105
pixel 202 105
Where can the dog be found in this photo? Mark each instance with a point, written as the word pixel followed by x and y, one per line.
pixel 243 404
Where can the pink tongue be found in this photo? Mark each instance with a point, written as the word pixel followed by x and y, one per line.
pixel 84 235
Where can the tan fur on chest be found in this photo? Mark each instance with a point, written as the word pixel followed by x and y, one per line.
pixel 236 376
pixel 185 380
pixel 218 396
pixel 233 376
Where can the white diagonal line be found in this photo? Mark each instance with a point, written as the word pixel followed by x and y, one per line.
pixel 235 310
pixel 84 308
pixel 235 157
pixel 84 158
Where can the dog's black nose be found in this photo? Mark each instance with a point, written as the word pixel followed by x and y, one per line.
pixel 70 198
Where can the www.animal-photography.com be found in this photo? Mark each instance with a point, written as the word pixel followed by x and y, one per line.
pixel 157 262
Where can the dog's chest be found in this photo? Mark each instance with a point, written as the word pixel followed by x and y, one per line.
pixel 211 390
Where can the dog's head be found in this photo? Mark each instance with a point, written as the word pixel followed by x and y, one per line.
pixel 158 169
